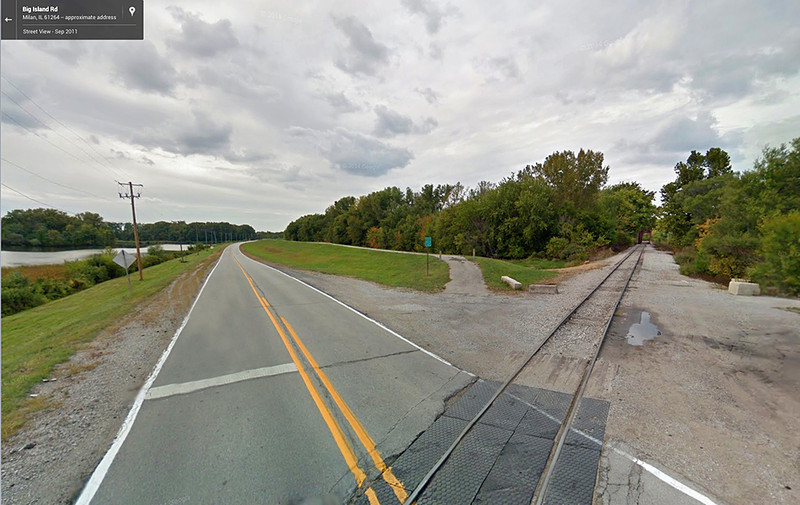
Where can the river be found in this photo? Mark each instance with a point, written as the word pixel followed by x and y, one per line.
pixel 18 258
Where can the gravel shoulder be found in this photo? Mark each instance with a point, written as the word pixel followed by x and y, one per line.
pixel 49 460
pixel 713 400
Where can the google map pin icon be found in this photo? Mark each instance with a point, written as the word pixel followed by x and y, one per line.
pixel 132 10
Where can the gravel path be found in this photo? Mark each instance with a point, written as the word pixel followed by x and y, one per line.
pixel 713 400
pixel 465 277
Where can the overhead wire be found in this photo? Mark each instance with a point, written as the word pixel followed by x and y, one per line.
pixel 54 131
pixel 26 196
pixel 59 122
pixel 54 182
pixel 110 166
pixel 117 172
pixel 41 137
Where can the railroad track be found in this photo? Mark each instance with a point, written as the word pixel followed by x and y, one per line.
pixel 589 321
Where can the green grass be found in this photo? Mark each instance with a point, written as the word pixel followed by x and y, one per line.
pixel 539 263
pixel 387 268
pixel 494 269
pixel 36 340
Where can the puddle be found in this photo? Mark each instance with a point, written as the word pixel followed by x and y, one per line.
pixel 642 331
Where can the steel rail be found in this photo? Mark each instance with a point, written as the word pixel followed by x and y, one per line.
pixel 541 492
pixel 440 462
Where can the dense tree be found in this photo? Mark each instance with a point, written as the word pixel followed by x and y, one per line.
pixel 694 196
pixel 576 180
pixel 733 225
pixel 560 198
pixel 626 209
pixel 54 228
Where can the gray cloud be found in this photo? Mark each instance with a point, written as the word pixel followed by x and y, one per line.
pixel 201 39
pixel 246 86
pixel 16 117
pixel 498 69
pixel 141 67
pixel 433 16
pixel 227 92
pixel 246 156
pixel 429 94
pixel 674 138
pixel 390 123
pixel 682 134
pixel 355 153
pixel 68 51
pixel 737 75
pixel 365 55
pixel 341 103
pixel 202 136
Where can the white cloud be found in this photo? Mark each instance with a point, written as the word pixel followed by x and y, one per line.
pixel 270 111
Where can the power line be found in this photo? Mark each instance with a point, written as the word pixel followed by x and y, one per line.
pixel 65 126
pixel 52 130
pixel 54 182
pixel 26 196
pixel 41 137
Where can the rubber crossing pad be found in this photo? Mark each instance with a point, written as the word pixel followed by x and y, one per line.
pixel 502 458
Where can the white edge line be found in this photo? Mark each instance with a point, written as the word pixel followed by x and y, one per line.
pixel 650 468
pixel 429 353
pixel 91 487
pixel 184 388
pixel 680 486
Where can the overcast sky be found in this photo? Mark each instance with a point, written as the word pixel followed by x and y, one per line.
pixel 259 112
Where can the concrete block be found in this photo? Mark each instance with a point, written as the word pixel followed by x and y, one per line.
pixel 543 289
pixel 743 288
pixel 511 282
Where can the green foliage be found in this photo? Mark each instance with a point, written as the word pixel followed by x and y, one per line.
pixel 515 218
pixel 627 209
pixel 780 250
pixel 54 228
pixel 182 232
pixel 730 225
pixel 493 269
pixel 21 293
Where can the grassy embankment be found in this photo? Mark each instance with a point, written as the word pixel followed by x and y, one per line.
pixel 36 340
pixel 527 271
pixel 388 268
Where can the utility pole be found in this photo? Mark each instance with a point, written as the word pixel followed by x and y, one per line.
pixel 130 194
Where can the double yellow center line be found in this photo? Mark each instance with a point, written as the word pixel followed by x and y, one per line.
pixel 338 434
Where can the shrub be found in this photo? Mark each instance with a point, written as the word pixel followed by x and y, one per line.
pixel 780 250
pixel 555 247
pixel 19 294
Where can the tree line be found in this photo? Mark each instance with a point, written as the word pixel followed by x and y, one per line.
pixel 55 228
pixel 724 224
pixel 559 208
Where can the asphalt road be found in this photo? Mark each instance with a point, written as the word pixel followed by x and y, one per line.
pixel 272 393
